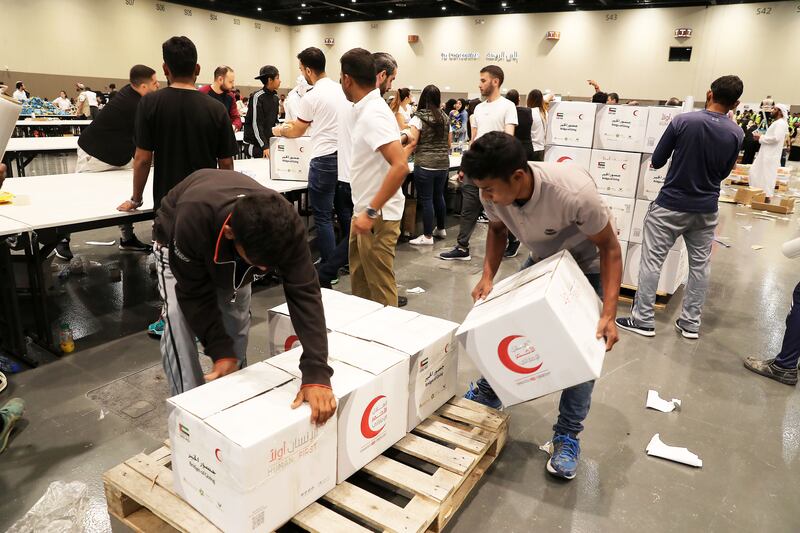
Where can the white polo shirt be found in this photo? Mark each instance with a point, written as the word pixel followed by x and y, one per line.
pixel 374 127
pixel 493 116
pixel 320 108
pixel 346 121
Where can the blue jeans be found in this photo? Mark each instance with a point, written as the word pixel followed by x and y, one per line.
pixel 430 185
pixel 323 175
pixel 343 204
pixel 790 350
pixel 576 400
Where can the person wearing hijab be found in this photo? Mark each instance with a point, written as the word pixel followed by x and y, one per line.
pixel 764 172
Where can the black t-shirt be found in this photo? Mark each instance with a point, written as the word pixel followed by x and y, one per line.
pixel 187 131
pixel 109 137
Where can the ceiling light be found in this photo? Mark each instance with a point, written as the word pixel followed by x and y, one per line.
pixel 299 18
pixel 503 4
pixel 341 14
pixel 259 9
pixel 571 1
pixel 390 11
pixel 444 8
pixel 302 5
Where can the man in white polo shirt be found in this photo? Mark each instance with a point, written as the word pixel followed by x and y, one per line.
pixel 378 168
pixel 550 207
pixel 493 114
pixel 318 113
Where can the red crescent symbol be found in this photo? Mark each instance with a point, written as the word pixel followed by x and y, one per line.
pixel 290 340
pixel 301 149
pixel 580 116
pixel 365 429
pixel 624 166
pixel 505 358
pixel 216 452
pixel 563 158
pixel 635 112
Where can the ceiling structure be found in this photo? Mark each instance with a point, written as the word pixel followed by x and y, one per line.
pixel 297 12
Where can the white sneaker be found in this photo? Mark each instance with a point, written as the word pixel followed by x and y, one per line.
pixel 440 233
pixel 422 240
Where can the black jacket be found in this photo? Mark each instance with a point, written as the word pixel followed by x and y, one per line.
pixel 262 115
pixel 523 129
pixel 202 260
pixel 109 137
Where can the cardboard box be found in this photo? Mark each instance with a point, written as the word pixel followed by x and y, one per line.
pixel 650 179
pixel 615 173
pixel 429 343
pixel 371 388
pixel 620 127
pixel 785 206
pixel 621 214
pixel 673 274
pixel 569 154
pixel 340 309
pixel 522 358
pixel 637 224
pixel 571 124
pixel 658 118
pixel 289 158
pixel 745 195
pixel 242 457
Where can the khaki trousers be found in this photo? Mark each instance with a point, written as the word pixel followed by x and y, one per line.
pixel 372 262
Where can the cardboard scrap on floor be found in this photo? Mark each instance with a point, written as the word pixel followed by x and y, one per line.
pixel 656 448
pixel 654 401
pixel 756 247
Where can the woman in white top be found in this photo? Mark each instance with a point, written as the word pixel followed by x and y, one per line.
pixel 62 101
pixel 539 123
pixel 401 107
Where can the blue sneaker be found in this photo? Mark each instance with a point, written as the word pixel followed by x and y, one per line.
pixel 487 398
pixel 156 329
pixel 564 461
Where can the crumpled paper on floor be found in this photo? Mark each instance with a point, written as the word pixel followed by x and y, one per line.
pixel 654 401
pixel 415 290
pixel 656 448
pixel 62 509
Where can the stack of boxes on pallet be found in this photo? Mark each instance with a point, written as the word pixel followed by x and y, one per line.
pixel 248 462
pixel 614 143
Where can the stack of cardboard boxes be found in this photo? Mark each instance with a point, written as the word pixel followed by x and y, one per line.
pixel 248 462
pixel 614 143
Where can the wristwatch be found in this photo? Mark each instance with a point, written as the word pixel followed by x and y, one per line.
pixel 373 213
pixel 135 203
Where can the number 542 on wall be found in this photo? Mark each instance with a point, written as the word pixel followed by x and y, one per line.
pixel 767 10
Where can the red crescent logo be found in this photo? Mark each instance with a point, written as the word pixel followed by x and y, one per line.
pixel 580 116
pixel 635 112
pixel 219 457
pixel 624 166
pixel 290 342
pixel 366 430
pixel 505 358
pixel 563 158
pixel 301 149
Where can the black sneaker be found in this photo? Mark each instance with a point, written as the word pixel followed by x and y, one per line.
pixel 630 324
pixel 685 332
pixel 344 271
pixel 483 219
pixel 768 368
pixel 135 245
pixel 512 249
pixel 456 254
pixel 402 301
pixel 63 251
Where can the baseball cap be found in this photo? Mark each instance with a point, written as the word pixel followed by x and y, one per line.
pixel 263 72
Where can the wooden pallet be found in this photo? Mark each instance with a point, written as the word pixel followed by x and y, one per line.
pixel 628 292
pixel 435 468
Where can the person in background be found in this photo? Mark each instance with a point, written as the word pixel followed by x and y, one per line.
pixel 281 108
pixel 378 169
pixel 20 94
pixel 494 114
pixel 524 123
pixel 401 107
pixel 242 106
pixel 552 207
pixel 538 123
pixel 749 144
pixel 101 101
pixel 764 172
pixel 62 102
pixel 87 102
pixel 458 121
pixel 112 91
pixel 222 91
pixel 258 124
pixel 673 102
pixel 179 129
pixel 107 144
pixel 794 147
pixel 428 139
pixel 317 115
pixel 703 147
pixel 449 106
pixel 613 99
pixel 601 97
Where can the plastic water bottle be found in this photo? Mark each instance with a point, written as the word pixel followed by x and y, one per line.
pixel 67 343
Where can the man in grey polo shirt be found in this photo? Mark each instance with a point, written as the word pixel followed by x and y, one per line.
pixel 550 207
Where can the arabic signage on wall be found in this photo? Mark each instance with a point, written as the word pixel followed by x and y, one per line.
pixel 498 56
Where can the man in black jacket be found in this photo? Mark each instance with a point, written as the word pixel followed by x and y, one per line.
pixel 215 231
pixel 263 113
pixel 107 144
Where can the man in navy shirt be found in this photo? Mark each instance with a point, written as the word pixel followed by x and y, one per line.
pixel 704 146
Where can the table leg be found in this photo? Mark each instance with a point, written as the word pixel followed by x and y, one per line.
pixel 39 295
pixel 15 337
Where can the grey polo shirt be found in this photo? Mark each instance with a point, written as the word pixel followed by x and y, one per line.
pixel 563 211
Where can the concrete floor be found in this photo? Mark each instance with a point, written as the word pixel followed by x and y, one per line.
pixel 104 403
